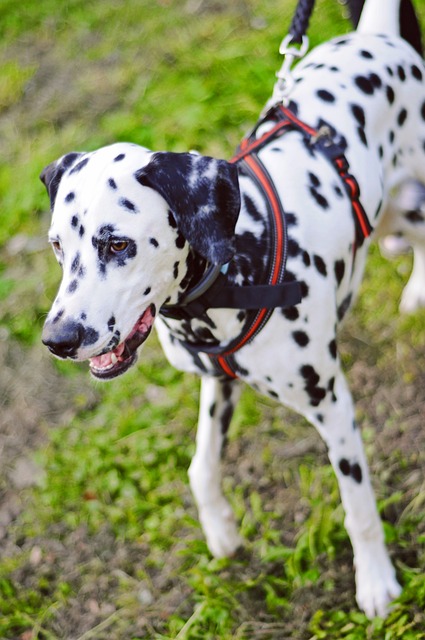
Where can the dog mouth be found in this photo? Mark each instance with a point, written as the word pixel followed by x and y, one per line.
pixel 114 363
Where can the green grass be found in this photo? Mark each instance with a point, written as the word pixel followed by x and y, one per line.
pixel 111 522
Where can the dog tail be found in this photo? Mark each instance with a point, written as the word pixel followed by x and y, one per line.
pixel 387 16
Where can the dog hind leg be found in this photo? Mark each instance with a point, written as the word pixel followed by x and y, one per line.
pixel 217 402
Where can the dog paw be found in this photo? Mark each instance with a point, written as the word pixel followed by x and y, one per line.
pixel 376 585
pixel 219 526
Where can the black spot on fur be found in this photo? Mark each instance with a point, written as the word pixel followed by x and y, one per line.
pixel 314 180
pixel 272 393
pixel 401 118
pixel 375 80
pixel 339 269
pixel 74 221
pixel 391 136
pixel 401 73
pixel 359 114
pixel 320 265
pixel 291 219
pixel 333 349
pixel 390 94
pixel 353 470
pixel 127 204
pixel 364 84
pixel 58 316
pixel 81 231
pixel 366 54
pixel 416 72
pixel 171 220
pixel 154 242
pixel 70 197
pixel 176 270
pixel 80 165
pixel 75 263
pixel 180 241
pixel 119 157
pixel 291 313
pixel 301 338
pixel 147 291
pixel 312 379
pixel 226 418
pixel 306 258
pixel 72 286
pixel 344 306
pixel 325 95
pixel 319 198
pixel 112 183
pixel 111 323
pixel 212 409
pixel 293 248
pixel 90 336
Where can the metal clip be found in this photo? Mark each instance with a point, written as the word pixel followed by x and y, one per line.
pixel 285 80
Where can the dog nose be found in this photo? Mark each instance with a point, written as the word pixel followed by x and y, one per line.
pixel 63 339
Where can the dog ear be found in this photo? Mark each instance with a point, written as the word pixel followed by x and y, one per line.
pixel 203 195
pixel 52 174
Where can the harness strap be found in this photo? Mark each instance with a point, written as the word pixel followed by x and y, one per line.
pixel 263 299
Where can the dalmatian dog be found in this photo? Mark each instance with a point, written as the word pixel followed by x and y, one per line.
pixel 138 233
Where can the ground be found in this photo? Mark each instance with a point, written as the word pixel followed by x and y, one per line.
pixel 98 531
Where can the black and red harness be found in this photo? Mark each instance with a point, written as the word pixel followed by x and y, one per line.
pixel 215 290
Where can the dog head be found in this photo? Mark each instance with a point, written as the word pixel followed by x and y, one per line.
pixel 124 221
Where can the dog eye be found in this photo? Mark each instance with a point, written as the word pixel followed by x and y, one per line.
pixel 118 246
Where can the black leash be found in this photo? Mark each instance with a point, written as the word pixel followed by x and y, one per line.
pixel 301 19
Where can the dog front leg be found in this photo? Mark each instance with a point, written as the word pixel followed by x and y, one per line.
pixel 376 584
pixel 217 402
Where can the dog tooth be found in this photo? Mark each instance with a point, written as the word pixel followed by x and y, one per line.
pixel 114 358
